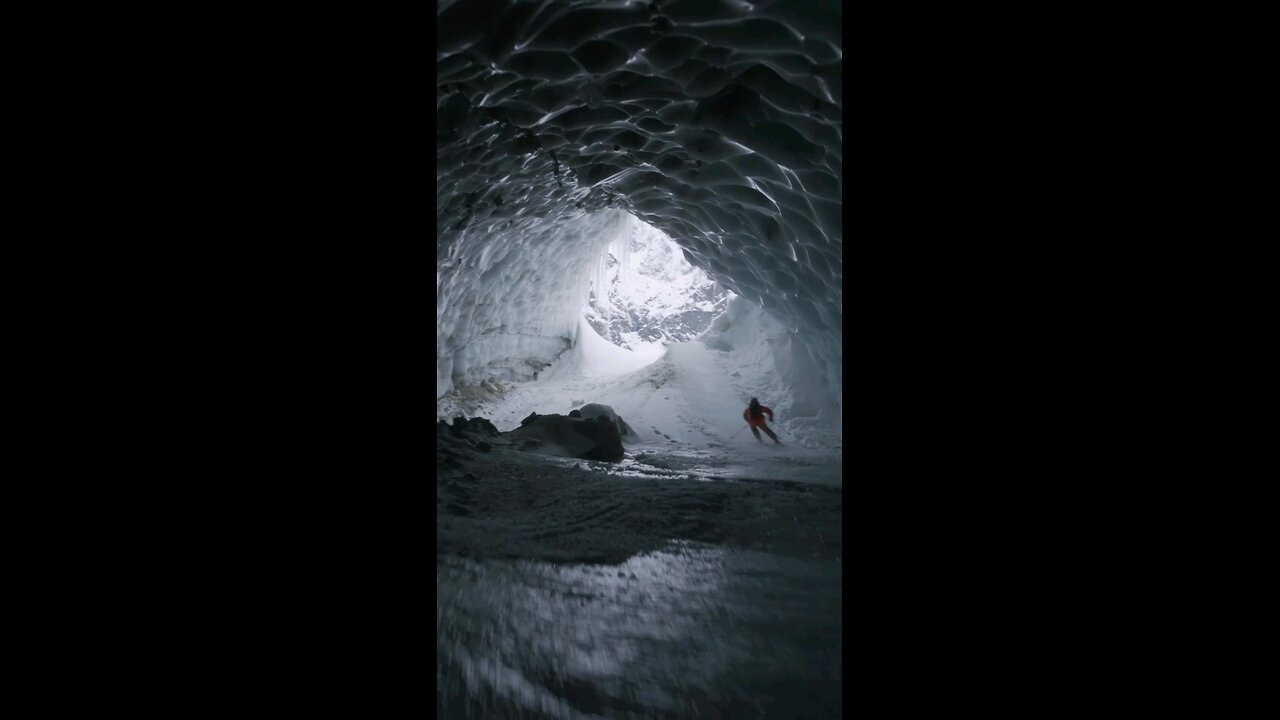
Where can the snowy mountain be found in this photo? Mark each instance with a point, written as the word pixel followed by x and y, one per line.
pixel 652 295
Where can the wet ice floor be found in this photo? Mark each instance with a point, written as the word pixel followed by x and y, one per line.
pixel 710 463
pixel 684 583
pixel 689 631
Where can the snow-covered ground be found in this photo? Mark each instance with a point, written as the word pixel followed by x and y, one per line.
pixel 684 403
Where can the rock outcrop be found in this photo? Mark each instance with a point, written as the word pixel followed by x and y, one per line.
pixel 597 438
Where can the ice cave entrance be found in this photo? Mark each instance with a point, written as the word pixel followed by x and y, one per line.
pixel 645 295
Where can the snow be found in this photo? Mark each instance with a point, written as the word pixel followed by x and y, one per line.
pixel 685 405
pixel 593 357
pixel 687 393
pixel 645 291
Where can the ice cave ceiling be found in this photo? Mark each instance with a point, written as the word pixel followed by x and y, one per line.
pixel 716 121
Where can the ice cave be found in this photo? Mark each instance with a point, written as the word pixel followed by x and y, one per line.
pixel 638 230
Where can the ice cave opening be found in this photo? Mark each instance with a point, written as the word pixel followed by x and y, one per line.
pixel 638 207
pixel 610 311
pixel 563 127
pixel 645 295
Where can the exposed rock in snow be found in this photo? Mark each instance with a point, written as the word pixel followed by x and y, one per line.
pixel 461 446
pixel 592 411
pixel 476 426
pixel 588 439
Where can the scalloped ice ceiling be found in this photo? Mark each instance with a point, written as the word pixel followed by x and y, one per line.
pixel 716 121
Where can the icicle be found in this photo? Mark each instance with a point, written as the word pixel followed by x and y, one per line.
pixel 624 252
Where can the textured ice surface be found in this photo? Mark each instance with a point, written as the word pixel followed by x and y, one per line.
pixel 716 121
pixel 508 302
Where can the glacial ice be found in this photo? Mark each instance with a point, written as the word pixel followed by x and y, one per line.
pixel 718 122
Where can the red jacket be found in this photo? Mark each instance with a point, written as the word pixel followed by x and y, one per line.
pixel 746 415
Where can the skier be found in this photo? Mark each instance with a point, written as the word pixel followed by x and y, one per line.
pixel 754 415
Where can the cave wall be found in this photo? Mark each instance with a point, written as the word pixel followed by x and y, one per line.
pixel 716 121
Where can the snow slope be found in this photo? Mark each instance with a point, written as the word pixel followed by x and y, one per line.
pixel 686 404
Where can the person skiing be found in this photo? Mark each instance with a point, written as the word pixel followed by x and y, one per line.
pixel 754 415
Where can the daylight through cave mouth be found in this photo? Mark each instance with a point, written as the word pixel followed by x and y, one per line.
pixel 561 125
pixel 645 295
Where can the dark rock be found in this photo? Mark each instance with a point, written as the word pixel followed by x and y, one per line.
pixel 586 439
pixel 604 434
pixel 532 416
pixel 477 425
pixel 592 411
pixel 459 424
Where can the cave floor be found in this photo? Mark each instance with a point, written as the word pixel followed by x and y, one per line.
pixel 667 585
